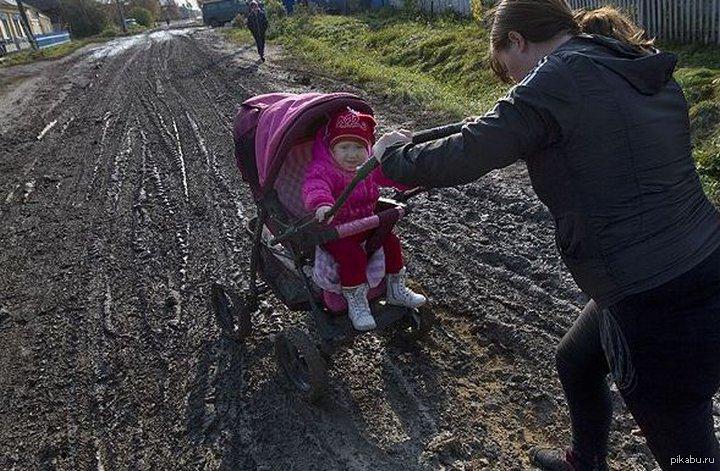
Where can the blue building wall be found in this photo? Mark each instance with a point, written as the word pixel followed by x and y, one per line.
pixel 52 39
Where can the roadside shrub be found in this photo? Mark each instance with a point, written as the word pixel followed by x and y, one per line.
pixel 276 14
pixel 704 120
pixel 142 15
pixel 84 17
pixel 699 84
pixel 354 5
pixel 708 161
pixel 476 9
pixel 110 31
pixel 153 6
pixel 310 9
pixel 239 21
pixel 708 165
pixel 411 7
pixel 275 11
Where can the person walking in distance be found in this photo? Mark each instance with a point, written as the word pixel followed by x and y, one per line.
pixel 257 24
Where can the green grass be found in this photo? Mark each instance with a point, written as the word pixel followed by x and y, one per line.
pixel 699 74
pixel 55 52
pixel 443 66
pixel 238 35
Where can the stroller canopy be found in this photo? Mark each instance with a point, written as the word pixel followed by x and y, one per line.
pixel 281 121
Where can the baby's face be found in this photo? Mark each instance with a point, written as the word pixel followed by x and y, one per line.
pixel 349 154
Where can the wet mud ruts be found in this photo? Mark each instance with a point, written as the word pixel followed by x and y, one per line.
pixel 117 219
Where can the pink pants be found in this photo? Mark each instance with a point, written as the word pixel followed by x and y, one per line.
pixel 352 259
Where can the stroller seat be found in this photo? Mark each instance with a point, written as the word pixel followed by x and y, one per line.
pixel 291 176
pixel 323 268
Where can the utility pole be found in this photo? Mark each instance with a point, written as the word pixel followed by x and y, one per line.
pixel 121 12
pixel 26 24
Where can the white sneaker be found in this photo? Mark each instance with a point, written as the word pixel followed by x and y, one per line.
pixel 400 295
pixel 359 308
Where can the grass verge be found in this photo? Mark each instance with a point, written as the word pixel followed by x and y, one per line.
pixel 27 56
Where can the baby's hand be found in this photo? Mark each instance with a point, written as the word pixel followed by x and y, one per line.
pixel 321 212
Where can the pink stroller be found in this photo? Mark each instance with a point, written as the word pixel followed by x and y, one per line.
pixel 273 141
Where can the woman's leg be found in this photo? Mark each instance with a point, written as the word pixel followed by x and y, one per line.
pixel 680 435
pixel 256 37
pixel 261 46
pixel 675 349
pixel 583 370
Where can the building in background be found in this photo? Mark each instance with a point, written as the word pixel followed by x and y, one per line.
pixel 51 8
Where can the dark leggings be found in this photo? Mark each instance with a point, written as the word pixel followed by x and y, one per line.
pixel 260 43
pixel 662 348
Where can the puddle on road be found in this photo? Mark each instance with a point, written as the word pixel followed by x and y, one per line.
pixel 117 46
pixel 167 34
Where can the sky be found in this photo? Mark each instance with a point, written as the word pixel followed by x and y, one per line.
pixel 193 3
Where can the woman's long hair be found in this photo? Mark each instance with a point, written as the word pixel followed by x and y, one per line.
pixel 542 20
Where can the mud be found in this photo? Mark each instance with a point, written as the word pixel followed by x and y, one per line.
pixel 120 206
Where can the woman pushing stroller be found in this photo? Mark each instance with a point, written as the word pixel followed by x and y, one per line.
pixel 340 147
pixel 603 129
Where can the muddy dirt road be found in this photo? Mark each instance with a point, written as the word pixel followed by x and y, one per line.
pixel 120 205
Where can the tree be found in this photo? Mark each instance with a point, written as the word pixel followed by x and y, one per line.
pixel 84 17
pixel 171 10
pixel 142 16
pixel 153 6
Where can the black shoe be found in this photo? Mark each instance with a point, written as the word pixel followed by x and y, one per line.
pixel 551 460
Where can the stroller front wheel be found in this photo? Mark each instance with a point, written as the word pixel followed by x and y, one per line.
pixel 418 324
pixel 302 363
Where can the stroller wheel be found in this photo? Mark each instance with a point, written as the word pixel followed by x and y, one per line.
pixel 302 363
pixel 232 313
pixel 418 324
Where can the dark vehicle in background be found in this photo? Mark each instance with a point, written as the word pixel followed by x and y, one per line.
pixel 218 12
pixel 341 6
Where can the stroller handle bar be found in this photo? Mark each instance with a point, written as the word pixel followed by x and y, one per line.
pixel 366 169
pixel 437 133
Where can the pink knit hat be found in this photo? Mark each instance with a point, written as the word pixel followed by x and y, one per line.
pixel 351 124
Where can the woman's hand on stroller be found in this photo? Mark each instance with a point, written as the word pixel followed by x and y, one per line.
pixel 321 213
pixel 402 136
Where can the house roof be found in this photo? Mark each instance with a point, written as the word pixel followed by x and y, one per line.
pixel 44 5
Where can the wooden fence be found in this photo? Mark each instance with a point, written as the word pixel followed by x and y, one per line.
pixel 461 7
pixel 682 21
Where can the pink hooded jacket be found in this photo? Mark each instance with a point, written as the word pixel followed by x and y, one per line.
pixel 325 181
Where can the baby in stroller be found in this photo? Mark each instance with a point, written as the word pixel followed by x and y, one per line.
pixel 340 147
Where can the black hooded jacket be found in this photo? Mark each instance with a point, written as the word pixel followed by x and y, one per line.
pixel 257 22
pixel 604 131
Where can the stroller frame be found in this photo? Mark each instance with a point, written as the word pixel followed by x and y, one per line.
pixel 280 259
